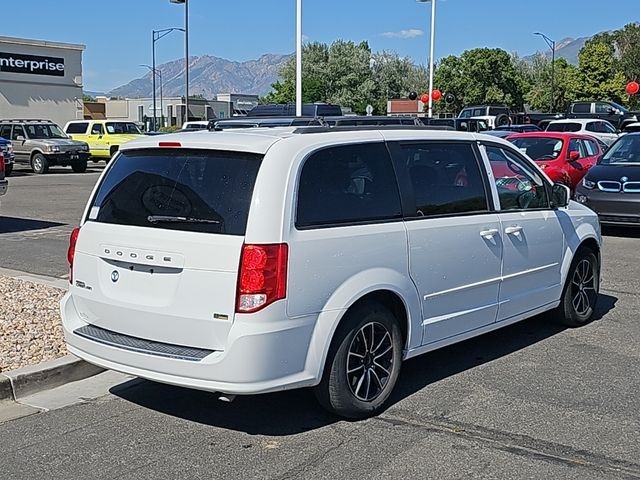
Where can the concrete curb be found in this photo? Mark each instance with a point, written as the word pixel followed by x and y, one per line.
pixel 25 381
pixel 37 279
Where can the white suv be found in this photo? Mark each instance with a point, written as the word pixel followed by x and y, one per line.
pixel 253 261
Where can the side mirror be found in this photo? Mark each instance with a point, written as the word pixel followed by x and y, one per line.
pixel 560 195
pixel 573 155
pixel 20 138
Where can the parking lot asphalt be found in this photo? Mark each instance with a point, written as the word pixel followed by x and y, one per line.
pixel 38 214
pixel 533 400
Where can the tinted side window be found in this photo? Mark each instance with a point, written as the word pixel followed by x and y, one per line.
pixel 347 184
pixel 581 108
pixel 445 178
pixel 5 132
pixel 520 186
pixel 79 128
pixel 590 147
pixel 603 108
pixel 17 131
pixel 608 128
pixel 576 146
pixel 592 127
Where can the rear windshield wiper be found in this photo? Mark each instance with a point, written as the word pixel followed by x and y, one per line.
pixel 176 219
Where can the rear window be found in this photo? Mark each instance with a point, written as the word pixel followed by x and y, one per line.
pixel 77 127
pixel 192 190
pixel 564 127
pixel 581 108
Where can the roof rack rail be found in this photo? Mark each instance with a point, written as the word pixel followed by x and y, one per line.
pixel 359 128
pixel 20 120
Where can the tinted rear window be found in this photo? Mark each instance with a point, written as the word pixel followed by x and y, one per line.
pixel 564 127
pixel 77 127
pixel 213 187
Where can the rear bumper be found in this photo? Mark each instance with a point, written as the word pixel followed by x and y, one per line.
pixel 4 186
pixel 259 357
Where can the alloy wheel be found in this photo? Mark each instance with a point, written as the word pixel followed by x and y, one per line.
pixel 583 287
pixel 370 361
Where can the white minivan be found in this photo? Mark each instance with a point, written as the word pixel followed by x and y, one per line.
pixel 251 261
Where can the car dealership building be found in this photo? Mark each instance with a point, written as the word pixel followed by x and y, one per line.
pixel 40 79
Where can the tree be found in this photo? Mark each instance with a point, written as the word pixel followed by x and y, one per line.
pixel 348 74
pixel 600 79
pixel 537 75
pixel 480 76
pixel 87 98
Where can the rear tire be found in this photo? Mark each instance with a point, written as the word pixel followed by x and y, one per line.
pixel 581 289
pixel 112 152
pixel 7 170
pixel 502 120
pixel 39 164
pixel 79 167
pixel 363 363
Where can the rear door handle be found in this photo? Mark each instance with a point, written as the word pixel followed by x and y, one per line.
pixel 513 230
pixel 489 233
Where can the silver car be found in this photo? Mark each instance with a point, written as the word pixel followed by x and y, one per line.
pixel 41 144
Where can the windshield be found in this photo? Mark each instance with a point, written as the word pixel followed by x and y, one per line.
pixel 619 107
pixel 119 128
pixel 563 127
pixel 194 190
pixel 44 131
pixel 539 148
pixel 624 152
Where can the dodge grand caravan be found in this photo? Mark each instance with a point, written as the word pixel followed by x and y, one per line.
pixel 252 261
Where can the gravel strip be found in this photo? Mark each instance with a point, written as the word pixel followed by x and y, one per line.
pixel 30 328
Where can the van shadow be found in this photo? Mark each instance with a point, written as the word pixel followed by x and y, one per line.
pixel 296 411
pixel 15 224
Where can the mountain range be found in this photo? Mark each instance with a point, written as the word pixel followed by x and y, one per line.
pixel 209 75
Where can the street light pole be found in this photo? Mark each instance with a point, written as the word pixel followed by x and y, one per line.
pixel 433 34
pixel 154 72
pixel 186 55
pixel 299 58
pixel 552 46
pixel 155 36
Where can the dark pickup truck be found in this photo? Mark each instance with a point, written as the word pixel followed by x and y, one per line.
pixel 616 114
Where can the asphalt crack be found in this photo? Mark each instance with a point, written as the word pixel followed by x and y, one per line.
pixel 522 445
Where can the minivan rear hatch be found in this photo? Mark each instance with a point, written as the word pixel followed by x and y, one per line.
pixel 158 255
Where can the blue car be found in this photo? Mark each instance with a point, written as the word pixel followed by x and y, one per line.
pixel 7 152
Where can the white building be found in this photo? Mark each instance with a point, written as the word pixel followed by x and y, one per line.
pixel 40 79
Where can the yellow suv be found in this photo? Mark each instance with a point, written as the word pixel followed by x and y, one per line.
pixel 103 136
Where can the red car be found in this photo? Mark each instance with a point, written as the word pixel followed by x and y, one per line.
pixel 565 157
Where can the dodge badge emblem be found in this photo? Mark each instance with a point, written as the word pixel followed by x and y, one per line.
pixel 115 276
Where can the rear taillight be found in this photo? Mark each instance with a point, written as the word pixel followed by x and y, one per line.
pixel 262 277
pixel 71 252
pixel 1 162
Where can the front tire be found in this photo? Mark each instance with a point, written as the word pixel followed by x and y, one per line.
pixel 581 290
pixel 39 164
pixel 363 363
pixel 79 167
pixel 7 170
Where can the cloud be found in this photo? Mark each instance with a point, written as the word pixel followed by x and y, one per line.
pixel 411 33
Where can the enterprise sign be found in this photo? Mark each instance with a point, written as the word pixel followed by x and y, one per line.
pixel 31 64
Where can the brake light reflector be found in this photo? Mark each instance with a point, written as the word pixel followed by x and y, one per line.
pixel 169 144
pixel 71 252
pixel 262 276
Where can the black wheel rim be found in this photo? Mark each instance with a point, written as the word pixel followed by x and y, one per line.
pixel 583 287
pixel 370 361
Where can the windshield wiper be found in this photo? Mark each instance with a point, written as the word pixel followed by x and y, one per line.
pixel 176 219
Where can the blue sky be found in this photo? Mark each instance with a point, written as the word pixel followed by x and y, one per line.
pixel 117 33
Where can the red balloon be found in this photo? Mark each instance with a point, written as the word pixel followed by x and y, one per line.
pixel 424 98
pixel 436 95
pixel 633 88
